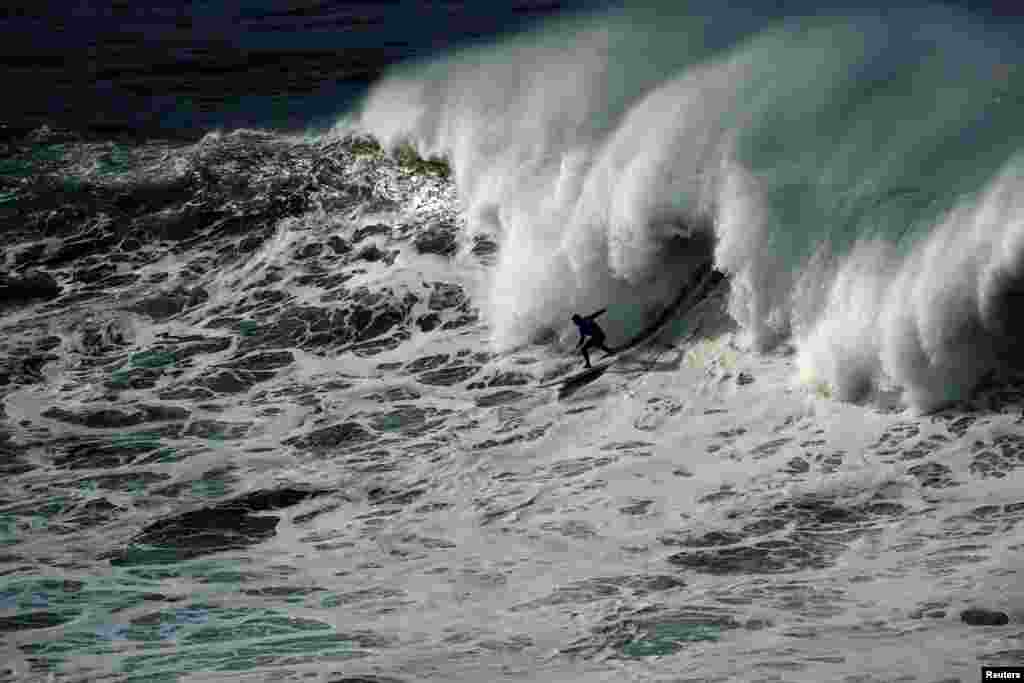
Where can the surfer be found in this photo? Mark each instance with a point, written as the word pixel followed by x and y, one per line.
pixel 591 335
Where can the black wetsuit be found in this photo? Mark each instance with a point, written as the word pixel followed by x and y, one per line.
pixel 591 335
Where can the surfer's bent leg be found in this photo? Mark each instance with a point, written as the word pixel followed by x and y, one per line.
pixel 585 350
pixel 598 342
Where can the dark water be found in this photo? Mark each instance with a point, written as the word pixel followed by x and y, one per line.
pixel 182 67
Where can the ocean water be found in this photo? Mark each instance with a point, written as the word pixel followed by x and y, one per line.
pixel 271 396
pixel 184 67
pixel 854 173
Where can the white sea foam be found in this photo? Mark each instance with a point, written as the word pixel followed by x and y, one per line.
pixel 817 161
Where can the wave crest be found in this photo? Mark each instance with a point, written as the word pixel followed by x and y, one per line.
pixel 852 175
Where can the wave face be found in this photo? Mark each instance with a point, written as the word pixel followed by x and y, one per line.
pixel 856 175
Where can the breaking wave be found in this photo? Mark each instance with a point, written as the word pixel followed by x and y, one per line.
pixel 857 176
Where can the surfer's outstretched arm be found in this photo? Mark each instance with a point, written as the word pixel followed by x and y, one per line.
pixel 594 315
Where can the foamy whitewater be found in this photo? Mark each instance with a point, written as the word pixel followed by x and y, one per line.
pixel 857 176
pixel 293 407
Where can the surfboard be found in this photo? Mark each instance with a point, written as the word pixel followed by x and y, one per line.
pixel 584 375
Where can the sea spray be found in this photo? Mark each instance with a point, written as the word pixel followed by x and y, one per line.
pixel 614 155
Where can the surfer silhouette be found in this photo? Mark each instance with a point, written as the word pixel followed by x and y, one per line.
pixel 591 335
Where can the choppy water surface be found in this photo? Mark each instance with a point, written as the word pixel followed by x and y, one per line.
pixel 271 408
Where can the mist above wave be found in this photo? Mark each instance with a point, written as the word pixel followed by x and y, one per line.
pixel 852 174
